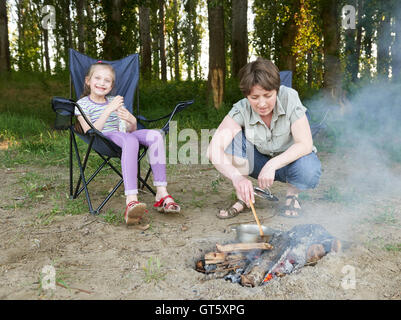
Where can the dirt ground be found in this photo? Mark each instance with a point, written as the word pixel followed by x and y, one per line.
pixel 96 259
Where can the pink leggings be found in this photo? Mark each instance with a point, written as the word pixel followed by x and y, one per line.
pixel 129 143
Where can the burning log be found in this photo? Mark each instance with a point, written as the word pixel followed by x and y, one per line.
pixel 214 257
pixel 303 244
pixel 253 264
pixel 241 247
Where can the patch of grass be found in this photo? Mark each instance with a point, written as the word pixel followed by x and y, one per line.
pixel 46 218
pixel 76 207
pixel 153 270
pixel 215 184
pixel 395 247
pixel 110 216
pixel 388 216
pixel 333 194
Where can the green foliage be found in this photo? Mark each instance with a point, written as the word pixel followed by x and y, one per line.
pixel 153 270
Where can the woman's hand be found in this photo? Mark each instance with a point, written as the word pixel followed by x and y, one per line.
pixel 244 188
pixel 266 176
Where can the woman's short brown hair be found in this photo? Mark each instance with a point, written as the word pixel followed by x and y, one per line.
pixel 260 72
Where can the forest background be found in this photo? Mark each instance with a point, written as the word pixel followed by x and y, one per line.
pixel 193 49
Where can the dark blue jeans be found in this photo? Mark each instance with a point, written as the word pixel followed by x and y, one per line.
pixel 304 173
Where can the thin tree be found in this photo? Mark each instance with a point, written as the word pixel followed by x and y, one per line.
pixel 331 47
pixel 351 51
pixel 286 59
pixel 177 74
pixel 4 42
pixel 239 35
pixel 81 25
pixel 216 78
pixel 144 31
pixel 383 40
pixel 396 47
pixel 112 40
pixel 162 48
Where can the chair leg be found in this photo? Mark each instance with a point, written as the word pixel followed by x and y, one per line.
pixel 71 166
pixel 82 174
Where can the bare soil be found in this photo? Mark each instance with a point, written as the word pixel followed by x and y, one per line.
pixel 96 259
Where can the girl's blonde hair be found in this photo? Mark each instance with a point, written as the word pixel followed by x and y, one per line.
pixel 90 72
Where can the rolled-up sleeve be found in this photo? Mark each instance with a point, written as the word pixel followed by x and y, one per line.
pixel 237 116
pixel 298 110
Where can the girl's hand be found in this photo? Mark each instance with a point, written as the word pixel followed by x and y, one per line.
pixel 116 103
pixel 244 188
pixel 266 176
pixel 124 114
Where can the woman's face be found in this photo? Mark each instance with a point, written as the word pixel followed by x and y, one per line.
pixel 101 81
pixel 261 100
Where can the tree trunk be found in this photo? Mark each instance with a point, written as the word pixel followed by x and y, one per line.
pixel 81 25
pixel 358 39
pixel 287 59
pixel 91 48
pixel 162 48
pixel 112 40
pixel 46 50
pixel 383 43
pixel 144 29
pixel 351 62
pixel 331 48
pixel 177 74
pixel 217 66
pixel 239 41
pixel 396 47
pixel 4 42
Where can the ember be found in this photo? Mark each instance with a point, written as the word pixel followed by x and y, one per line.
pixel 253 264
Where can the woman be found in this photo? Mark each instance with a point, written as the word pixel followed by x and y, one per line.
pixel 266 136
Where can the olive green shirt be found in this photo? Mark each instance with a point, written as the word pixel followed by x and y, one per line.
pixel 278 138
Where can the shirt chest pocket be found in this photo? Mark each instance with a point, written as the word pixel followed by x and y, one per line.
pixel 281 135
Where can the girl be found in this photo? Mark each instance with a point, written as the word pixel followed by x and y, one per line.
pixel 106 112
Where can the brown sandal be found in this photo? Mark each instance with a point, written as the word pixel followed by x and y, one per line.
pixel 233 212
pixel 291 207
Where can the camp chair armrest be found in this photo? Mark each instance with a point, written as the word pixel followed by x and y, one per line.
pixel 67 107
pixel 178 108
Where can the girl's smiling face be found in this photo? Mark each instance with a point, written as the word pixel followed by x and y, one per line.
pixel 100 82
pixel 262 101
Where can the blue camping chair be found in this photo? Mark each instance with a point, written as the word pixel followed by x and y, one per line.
pixel 127 79
pixel 286 80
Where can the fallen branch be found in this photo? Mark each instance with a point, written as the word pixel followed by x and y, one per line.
pixel 65 287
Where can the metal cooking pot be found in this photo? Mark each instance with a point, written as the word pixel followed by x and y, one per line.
pixel 249 233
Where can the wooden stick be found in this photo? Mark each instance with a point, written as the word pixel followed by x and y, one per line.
pixel 257 220
pixel 238 247
pixel 214 257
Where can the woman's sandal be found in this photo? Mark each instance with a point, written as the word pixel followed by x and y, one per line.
pixel 232 211
pixel 170 207
pixel 134 212
pixel 291 207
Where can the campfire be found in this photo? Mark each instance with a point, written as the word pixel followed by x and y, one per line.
pixel 255 264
